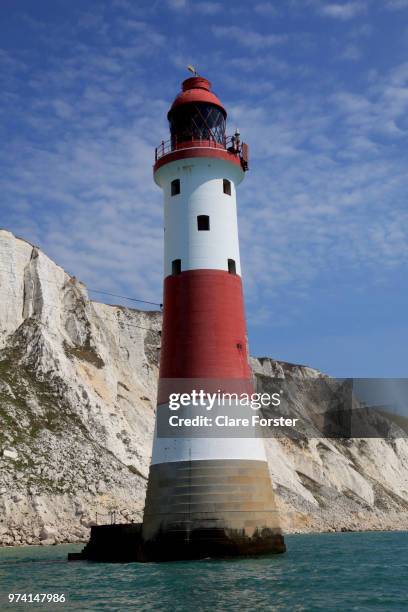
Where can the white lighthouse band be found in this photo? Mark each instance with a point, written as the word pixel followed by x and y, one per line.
pixel 205 190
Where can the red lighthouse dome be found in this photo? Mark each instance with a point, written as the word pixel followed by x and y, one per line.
pixel 196 89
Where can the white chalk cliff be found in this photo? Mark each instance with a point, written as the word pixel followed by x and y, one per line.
pixel 77 406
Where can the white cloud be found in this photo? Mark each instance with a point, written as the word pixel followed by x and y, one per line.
pixel 132 24
pixel 363 31
pixel 396 5
pixel 122 4
pixel 351 52
pixel 266 9
pixel 177 4
pixel 62 109
pixel 204 8
pixel 266 63
pixel 208 8
pixel 93 21
pixel 10 63
pixel 399 75
pixel 344 11
pixel 248 38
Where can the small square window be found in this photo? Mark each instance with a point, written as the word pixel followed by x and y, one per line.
pixel 175 187
pixel 203 223
pixel 176 267
pixel 232 269
pixel 226 186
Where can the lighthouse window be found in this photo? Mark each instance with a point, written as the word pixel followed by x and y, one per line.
pixel 226 186
pixel 176 267
pixel 175 187
pixel 203 223
pixel 232 269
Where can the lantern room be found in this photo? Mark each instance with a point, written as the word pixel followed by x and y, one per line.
pixel 197 114
pixel 197 122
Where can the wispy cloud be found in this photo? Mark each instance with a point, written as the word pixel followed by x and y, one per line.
pixel 177 4
pixel 266 9
pixel 249 38
pixel 188 6
pixel 396 5
pixel 351 52
pixel 344 11
pixel 208 8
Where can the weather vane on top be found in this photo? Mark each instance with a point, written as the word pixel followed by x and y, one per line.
pixel 192 69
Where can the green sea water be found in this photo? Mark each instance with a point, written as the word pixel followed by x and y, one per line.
pixel 339 571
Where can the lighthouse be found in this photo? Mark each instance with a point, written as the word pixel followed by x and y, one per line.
pixel 206 495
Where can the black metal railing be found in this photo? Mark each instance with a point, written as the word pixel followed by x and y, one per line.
pixel 113 517
pixel 168 146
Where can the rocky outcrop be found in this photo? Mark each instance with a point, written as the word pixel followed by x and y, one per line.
pixel 77 398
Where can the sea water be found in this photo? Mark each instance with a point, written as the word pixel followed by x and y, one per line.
pixel 338 571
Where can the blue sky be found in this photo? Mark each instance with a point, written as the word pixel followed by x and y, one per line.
pixel 318 89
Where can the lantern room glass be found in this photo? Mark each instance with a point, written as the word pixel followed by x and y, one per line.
pixel 200 121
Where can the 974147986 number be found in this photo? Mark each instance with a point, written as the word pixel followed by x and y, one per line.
pixel 36 598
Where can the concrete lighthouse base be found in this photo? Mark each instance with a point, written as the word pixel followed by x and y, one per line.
pixel 213 508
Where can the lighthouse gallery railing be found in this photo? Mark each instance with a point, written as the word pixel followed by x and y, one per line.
pixel 168 146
